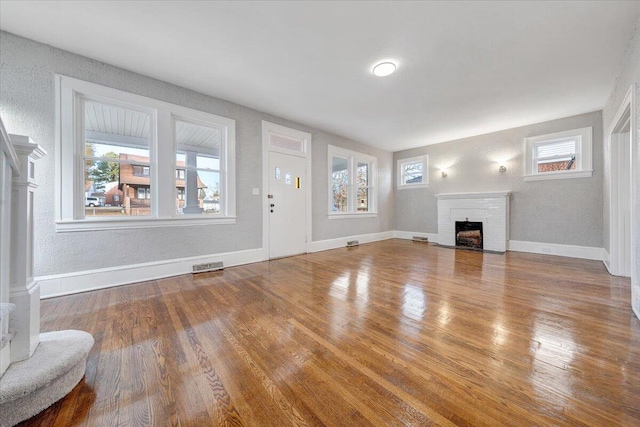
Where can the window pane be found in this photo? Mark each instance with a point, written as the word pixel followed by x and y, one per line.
pixel 198 176
pixel 555 165
pixel 412 173
pixel 363 200
pixel 116 153
pixel 111 131
pixel 362 175
pixel 340 184
pixel 556 156
pixel 339 165
pixel 207 196
pixel 558 149
pixel 206 162
pixel 198 138
pixel 111 150
pixel 340 198
pixel 286 143
pixel 112 189
pixel 209 186
pixel 116 120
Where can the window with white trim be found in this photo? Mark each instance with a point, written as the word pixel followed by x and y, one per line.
pixel 559 155
pixel 198 167
pixel 152 163
pixel 352 183
pixel 413 172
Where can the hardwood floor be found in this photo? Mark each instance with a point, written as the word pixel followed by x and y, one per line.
pixel 389 333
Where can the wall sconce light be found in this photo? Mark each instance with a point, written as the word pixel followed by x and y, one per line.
pixel 444 174
pixel 502 169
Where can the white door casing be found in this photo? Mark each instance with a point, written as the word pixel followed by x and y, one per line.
pixel 286 230
pixel 620 146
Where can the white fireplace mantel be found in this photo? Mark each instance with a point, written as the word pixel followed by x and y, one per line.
pixel 481 195
pixel 490 208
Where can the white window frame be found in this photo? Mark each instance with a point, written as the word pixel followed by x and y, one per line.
pixel 584 162
pixel 222 166
pixel 353 158
pixel 413 160
pixel 162 146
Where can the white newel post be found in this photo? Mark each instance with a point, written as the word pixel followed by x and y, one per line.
pixel 24 291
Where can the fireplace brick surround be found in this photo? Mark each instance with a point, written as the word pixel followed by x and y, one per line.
pixel 489 208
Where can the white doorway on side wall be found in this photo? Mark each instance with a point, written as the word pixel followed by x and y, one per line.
pixel 621 213
pixel 286 178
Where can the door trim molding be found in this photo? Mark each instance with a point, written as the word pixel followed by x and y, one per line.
pixel 615 247
pixel 273 128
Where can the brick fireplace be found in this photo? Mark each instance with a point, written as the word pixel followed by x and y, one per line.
pixel 487 212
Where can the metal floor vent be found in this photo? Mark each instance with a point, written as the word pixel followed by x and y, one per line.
pixel 208 266
pixel 420 239
pixel 352 243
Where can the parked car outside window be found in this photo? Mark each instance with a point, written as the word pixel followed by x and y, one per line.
pixel 92 202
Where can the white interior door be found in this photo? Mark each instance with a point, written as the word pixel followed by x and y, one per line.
pixel 287 204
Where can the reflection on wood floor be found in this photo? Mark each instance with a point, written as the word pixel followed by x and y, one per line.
pixel 388 333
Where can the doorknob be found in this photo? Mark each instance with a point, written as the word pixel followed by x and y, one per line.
pixel 272 205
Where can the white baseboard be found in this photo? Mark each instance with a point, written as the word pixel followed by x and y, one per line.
pixel 341 242
pixel 606 259
pixel 408 235
pixel 81 281
pixel 635 298
pixel 571 251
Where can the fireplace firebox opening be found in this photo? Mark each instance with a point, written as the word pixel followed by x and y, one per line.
pixel 469 234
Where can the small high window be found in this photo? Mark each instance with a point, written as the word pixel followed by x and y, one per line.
pixel 413 172
pixel 559 155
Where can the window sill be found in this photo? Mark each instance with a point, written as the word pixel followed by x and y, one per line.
pixel 353 215
pixel 558 175
pixel 130 223
pixel 412 186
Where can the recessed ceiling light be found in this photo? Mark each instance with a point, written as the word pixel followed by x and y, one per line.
pixel 384 69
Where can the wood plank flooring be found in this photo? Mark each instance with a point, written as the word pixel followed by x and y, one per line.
pixel 388 333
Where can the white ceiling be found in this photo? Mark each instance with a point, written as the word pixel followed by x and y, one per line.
pixel 464 68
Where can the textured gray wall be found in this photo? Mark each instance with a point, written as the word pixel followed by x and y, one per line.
pixel 27 71
pixel 567 211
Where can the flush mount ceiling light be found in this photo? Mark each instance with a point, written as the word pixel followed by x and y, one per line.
pixel 384 69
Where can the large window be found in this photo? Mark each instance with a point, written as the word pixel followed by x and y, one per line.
pixel 413 172
pixel 198 170
pixel 139 161
pixel 352 183
pixel 559 155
